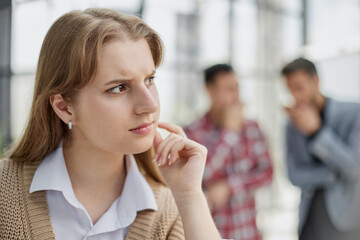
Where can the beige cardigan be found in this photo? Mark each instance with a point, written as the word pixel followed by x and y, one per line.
pixel 26 216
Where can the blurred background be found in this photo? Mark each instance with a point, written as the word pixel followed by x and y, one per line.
pixel 256 36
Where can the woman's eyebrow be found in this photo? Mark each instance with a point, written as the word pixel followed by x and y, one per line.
pixel 118 81
pixel 126 80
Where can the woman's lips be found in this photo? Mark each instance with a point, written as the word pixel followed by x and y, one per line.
pixel 142 129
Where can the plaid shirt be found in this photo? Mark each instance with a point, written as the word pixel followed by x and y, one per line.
pixel 242 159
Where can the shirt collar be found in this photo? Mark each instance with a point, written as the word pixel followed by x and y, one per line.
pixel 137 194
pixel 51 174
pixel 137 188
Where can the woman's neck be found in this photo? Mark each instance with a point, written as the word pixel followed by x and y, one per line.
pixel 94 172
pixel 97 177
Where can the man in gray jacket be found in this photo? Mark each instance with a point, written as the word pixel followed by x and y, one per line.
pixel 323 157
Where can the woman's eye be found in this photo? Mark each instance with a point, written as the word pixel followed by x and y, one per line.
pixel 149 81
pixel 117 89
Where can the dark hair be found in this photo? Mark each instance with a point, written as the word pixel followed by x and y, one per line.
pixel 213 71
pixel 299 64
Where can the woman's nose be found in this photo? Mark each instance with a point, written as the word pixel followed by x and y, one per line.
pixel 147 101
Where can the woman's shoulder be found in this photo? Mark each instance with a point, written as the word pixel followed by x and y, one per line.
pixel 8 173
pixel 2 163
pixel 5 163
pixel 13 173
pixel 11 166
pixel 22 214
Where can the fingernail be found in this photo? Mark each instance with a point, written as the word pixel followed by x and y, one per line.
pixel 155 157
pixel 159 164
pixel 169 163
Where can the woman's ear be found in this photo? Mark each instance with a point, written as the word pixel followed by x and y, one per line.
pixel 62 109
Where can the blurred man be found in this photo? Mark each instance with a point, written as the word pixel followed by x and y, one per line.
pixel 238 159
pixel 323 157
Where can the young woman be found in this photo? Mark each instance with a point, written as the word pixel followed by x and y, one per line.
pixel 87 164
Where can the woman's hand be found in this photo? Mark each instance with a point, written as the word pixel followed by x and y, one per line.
pixel 181 160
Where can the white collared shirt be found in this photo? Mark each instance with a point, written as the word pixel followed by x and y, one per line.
pixel 69 218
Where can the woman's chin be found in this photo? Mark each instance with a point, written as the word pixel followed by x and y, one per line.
pixel 140 148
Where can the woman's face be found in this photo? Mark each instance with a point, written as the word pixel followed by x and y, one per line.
pixel 118 111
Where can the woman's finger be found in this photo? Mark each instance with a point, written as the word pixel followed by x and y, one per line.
pixel 159 148
pixel 160 145
pixel 172 128
pixel 178 146
pixel 165 151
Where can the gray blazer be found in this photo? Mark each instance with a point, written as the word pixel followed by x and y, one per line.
pixel 337 146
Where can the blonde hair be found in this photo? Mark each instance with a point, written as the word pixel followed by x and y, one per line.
pixel 68 60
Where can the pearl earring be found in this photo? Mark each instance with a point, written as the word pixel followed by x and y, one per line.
pixel 70 125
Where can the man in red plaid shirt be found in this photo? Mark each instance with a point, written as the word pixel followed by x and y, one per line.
pixel 238 160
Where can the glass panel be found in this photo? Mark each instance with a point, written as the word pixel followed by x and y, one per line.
pixel 334 24
pixel 214 34
pixel 245 37
pixel 28 32
pixel 340 77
